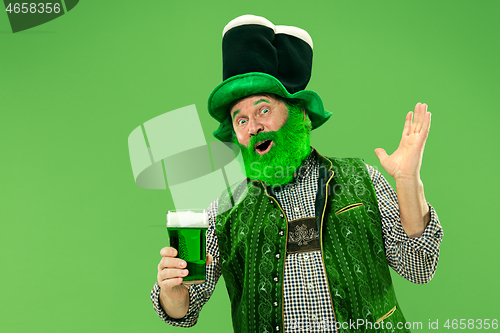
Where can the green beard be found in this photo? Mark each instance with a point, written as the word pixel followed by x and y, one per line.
pixel 291 147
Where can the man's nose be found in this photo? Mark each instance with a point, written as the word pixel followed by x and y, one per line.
pixel 255 127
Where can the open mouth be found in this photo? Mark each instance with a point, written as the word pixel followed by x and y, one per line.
pixel 263 146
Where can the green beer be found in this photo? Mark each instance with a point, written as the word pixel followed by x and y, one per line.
pixel 187 232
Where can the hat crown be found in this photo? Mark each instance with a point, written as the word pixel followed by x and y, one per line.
pixel 253 44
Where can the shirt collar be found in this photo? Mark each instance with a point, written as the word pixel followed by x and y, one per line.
pixel 305 170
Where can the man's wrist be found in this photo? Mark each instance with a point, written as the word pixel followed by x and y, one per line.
pixel 413 208
pixel 412 180
pixel 175 309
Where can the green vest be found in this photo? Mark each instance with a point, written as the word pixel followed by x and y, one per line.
pixel 251 229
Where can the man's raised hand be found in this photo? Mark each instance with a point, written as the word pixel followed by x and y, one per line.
pixel 406 161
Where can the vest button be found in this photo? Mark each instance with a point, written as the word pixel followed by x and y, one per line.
pixel 275 279
pixel 281 233
pixel 278 255
pixel 281 215
pixel 275 304
pixel 271 202
pixel 277 328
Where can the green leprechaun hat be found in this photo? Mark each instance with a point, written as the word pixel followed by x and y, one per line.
pixel 259 57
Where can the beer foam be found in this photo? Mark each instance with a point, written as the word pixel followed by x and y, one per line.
pixel 187 219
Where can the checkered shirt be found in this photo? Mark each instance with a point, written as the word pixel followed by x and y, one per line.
pixel 307 300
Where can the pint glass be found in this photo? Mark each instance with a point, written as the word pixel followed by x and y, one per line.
pixel 187 230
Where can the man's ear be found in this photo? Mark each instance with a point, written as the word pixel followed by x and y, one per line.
pixel 304 112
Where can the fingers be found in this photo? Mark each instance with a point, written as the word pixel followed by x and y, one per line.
pixel 427 123
pixel 169 266
pixel 172 273
pixel 168 262
pixel 414 121
pixel 171 270
pixel 406 129
pixel 420 116
pixel 167 280
pixel 416 116
pixel 168 252
pixel 421 120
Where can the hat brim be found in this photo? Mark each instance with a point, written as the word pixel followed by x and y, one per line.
pixel 247 84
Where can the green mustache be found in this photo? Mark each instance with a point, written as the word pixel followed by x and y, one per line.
pixel 262 136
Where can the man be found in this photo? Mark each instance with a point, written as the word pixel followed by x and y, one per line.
pixel 304 245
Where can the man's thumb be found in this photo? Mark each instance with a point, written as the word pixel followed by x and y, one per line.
pixel 381 154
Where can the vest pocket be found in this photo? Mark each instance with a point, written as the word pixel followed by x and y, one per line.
pixel 348 207
pixel 387 314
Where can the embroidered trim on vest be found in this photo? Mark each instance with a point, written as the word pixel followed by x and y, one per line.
pixel 387 314
pixel 345 209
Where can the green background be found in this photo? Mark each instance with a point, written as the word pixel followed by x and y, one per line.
pixel 80 241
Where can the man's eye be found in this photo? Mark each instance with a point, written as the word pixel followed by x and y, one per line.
pixel 265 111
pixel 242 121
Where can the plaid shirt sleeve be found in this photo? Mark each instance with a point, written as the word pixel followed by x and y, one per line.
pixel 198 293
pixel 415 259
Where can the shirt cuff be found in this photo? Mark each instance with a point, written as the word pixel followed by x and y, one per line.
pixel 429 241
